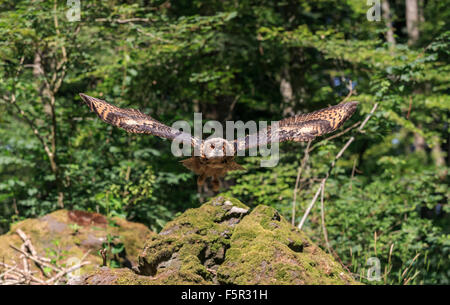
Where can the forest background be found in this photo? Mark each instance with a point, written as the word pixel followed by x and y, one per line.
pixel 387 195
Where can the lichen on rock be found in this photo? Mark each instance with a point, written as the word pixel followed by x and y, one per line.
pixel 222 242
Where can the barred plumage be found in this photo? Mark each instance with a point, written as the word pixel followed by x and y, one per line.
pixel 217 154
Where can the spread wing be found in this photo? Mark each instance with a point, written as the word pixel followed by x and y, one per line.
pixel 134 121
pixel 300 128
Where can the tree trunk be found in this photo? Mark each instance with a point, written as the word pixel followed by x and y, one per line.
pixel 421 8
pixel 438 156
pixel 48 95
pixel 412 25
pixel 419 142
pixel 287 93
pixel 412 20
pixel 388 20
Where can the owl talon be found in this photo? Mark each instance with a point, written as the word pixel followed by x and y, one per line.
pixel 216 185
pixel 201 180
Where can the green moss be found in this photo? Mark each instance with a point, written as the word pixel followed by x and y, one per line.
pixel 106 276
pixel 266 249
pixel 212 245
pixel 189 243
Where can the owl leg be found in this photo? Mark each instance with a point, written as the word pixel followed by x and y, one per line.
pixel 215 184
pixel 201 180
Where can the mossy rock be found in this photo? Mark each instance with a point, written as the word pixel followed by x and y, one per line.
pixel 73 233
pixel 190 249
pixel 221 242
pixel 266 249
pixel 108 276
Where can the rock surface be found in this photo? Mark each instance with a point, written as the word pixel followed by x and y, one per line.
pixel 64 235
pixel 223 242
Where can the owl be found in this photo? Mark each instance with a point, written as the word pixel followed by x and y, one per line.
pixel 216 155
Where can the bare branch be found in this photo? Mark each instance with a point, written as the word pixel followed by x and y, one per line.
pixel 36 259
pixel 300 225
pixel 29 121
pixel 123 21
pixel 54 279
pixel 298 180
pixel 153 36
pixel 27 242
pixel 409 108
pixel 350 91
pixel 333 164
pixel 335 135
pixel 353 174
pixel 324 227
pixel 14 275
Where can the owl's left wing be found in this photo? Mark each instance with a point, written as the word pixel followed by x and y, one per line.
pixel 300 128
pixel 134 121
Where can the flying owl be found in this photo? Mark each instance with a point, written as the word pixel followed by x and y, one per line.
pixel 216 155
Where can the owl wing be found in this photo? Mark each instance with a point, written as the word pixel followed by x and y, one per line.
pixel 300 128
pixel 134 121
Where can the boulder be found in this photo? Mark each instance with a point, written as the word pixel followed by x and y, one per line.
pixel 65 236
pixel 223 242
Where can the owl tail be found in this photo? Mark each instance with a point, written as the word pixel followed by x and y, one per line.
pixel 191 164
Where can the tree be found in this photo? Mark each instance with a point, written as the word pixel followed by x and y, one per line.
pixel 412 20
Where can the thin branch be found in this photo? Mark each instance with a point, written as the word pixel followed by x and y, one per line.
pixel 25 265
pixel 298 180
pixel 58 33
pixel 412 262
pixel 368 117
pixel 30 123
pixel 36 259
pixel 333 164
pixel 311 205
pixel 14 275
pixel 65 271
pixel 324 227
pixel 18 274
pixel 410 107
pixel 27 242
pixel 233 104
pixel 11 268
pixel 335 135
pixel 411 278
pixel 353 174
pixel 123 21
pixel 154 36
pixel 350 91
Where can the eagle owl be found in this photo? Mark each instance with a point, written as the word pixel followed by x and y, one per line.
pixel 216 156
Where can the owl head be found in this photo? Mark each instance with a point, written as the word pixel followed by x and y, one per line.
pixel 216 148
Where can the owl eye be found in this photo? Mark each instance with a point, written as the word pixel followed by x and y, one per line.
pixel 212 146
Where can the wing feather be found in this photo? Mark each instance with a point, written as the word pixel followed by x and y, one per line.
pixel 300 128
pixel 134 121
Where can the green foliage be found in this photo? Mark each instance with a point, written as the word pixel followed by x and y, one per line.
pixel 407 213
pixel 112 250
pixel 56 255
